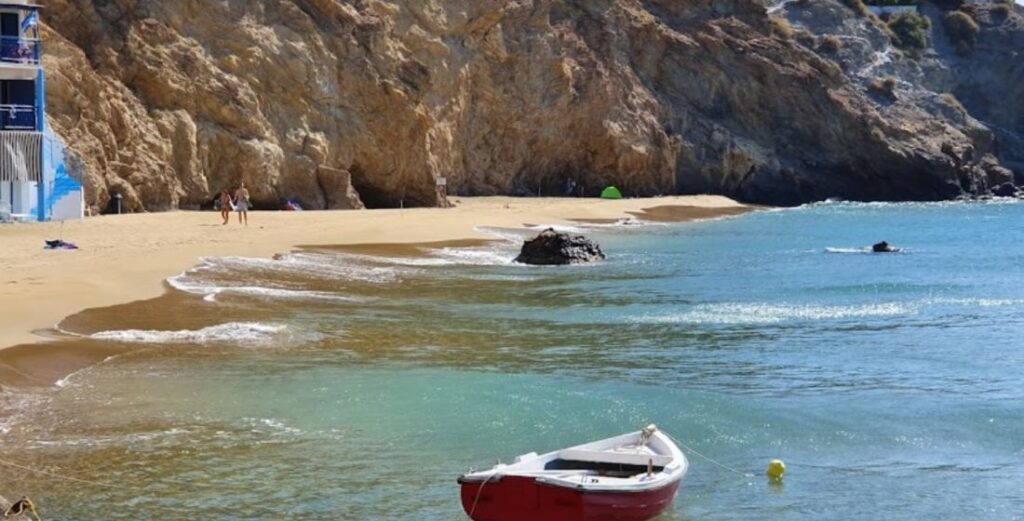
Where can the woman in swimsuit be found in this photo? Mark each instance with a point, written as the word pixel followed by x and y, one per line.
pixel 225 205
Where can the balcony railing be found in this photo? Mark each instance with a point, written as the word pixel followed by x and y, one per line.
pixel 17 117
pixel 20 50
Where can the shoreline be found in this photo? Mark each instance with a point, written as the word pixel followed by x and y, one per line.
pixel 127 258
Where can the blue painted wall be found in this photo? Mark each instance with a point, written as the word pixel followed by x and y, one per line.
pixel 41 127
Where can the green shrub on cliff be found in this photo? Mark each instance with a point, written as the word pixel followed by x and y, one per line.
pixel 857 6
pixel 884 89
pixel 910 31
pixel 1001 11
pixel 831 44
pixel 805 38
pixel 962 30
pixel 782 28
pixel 950 101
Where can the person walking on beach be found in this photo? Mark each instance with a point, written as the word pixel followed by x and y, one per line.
pixel 242 203
pixel 225 205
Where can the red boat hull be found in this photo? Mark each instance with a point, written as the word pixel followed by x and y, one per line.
pixel 515 498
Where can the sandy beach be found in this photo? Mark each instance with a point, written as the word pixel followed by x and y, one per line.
pixel 127 257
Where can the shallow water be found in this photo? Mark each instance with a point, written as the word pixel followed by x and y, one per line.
pixel 331 385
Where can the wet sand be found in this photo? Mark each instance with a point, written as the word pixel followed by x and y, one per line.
pixel 43 365
pixel 680 213
pixel 127 258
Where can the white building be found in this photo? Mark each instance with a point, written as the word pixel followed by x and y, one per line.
pixel 35 181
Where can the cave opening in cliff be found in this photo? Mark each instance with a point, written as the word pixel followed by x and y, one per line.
pixel 373 196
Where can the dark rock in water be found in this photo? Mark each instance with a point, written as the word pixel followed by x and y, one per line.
pixel 1005 190
pixel 553 248
pixel 18 512
pixel 882 247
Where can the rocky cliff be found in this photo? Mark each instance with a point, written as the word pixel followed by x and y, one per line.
pixel 340 103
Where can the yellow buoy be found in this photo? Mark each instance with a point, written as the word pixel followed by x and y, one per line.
pixel 776 468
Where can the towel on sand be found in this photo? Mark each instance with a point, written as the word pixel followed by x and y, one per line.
pixel 60 245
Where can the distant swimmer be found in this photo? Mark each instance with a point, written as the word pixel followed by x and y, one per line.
pixel 883 247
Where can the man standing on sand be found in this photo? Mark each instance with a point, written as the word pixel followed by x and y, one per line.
pixel 242 203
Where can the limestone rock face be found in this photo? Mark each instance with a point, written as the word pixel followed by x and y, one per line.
pixel 989 81
pixel 352 103
pixel 978 90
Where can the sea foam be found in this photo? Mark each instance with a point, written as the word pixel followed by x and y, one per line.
pixel 494 256
pixel 862 250
pixel 323 266
pixel 831 249
pixel 228 275
pixel 229 332
pixel 186 283
pixel 762 313
pixel 839 204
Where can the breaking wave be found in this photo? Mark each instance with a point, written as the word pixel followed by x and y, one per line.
pixel 862 250
pixel 560 228
pixel 763 313
pixel 977 302
pixel 185 283
pixel 229 332
pixel 847 250
pixel 309 264
pixel 584 227
pixel 754 313
pixel 955 203
pixel 495 256
pixel 227 275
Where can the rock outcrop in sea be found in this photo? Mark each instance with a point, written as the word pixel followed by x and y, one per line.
pixel 552 248
pixel 345 103
pixel 5 506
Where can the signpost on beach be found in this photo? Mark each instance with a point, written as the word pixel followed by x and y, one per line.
pixel 442 187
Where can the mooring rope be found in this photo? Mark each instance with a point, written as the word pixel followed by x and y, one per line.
pixel 130 488
pixel 478 491
pixel 707 458
pixel 57 476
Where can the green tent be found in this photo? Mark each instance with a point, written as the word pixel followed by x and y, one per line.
pixel 611 193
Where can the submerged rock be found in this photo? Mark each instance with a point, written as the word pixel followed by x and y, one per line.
pixel 554 248
pixel 16 513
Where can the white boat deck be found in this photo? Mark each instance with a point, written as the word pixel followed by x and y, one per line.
pixel 623 463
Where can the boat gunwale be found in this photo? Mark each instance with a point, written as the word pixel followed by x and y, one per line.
pixel 581 489
pixel 669 474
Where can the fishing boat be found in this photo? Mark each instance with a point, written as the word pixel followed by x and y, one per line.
pixel 632 477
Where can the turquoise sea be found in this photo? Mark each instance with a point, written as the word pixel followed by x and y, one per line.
pixel 328 385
